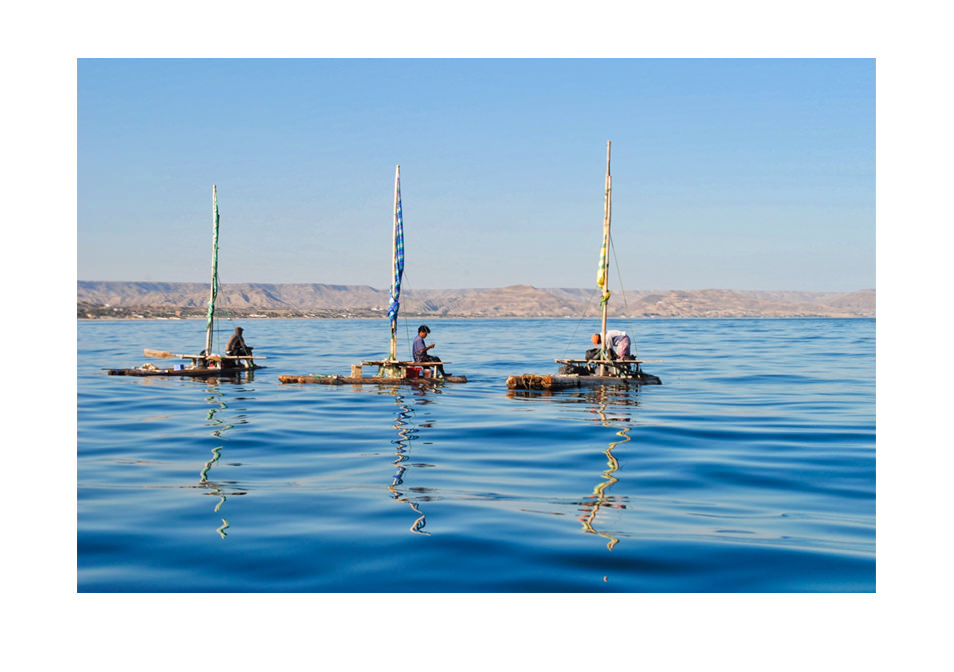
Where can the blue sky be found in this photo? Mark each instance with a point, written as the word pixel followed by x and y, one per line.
pixel 731 173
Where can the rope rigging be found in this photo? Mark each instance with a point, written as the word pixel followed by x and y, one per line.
pixel 622 290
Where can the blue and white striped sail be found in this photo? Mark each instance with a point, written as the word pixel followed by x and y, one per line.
pixel 398 260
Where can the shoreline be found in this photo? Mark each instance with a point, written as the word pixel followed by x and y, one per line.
pixel 488 317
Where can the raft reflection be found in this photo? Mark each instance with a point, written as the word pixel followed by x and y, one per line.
pixel 219 489
pixel 600 498
pixel 610 404
pixel 407 432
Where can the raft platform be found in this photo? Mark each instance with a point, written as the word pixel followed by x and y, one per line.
pixel 191 371
pixel 389 373
pixel 194 372
pixel 620 372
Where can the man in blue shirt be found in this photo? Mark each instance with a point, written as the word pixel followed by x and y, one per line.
pixel 419 349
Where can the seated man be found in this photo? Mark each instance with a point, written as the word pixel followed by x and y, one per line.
pixel 419 349
pixel 236 347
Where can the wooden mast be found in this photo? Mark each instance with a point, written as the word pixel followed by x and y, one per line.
pixel 397 188
pixel 607 207
pixel 215 280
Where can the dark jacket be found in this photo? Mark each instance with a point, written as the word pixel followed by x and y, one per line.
pixel 236 345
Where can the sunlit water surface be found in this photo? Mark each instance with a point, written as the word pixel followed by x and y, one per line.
pixel 752 468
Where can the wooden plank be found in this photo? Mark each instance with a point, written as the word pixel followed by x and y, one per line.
pixel 162 354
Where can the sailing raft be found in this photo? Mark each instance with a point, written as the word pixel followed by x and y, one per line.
pixel 390 371
pixel 606 367
pixel 206 364
pixel 533 381
pixel 214 366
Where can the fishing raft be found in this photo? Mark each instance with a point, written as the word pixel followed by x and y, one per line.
pixel 605 368
pixel 391 370
pixel 619 372
pixel 206 364
pixel 218 366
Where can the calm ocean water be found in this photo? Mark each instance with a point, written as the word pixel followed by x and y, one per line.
pixel 752 468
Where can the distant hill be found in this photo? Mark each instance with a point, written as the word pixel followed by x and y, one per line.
pixel 182 299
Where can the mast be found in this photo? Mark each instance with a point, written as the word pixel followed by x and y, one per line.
pixel 397 263
pixel 215 272
pixel 603 277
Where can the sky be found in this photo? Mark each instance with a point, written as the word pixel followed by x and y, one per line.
pixel 753 174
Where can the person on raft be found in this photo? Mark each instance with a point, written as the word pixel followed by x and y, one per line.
pixel 618 342
pixel 419 349
pixel 236 346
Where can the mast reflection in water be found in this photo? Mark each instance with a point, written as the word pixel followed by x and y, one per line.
pixel 219 488
pixel 592 504
pixel 607 403
pixel 406 433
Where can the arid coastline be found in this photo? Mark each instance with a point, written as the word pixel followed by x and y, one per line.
pixel 157 300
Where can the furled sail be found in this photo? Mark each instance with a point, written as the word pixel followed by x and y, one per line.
pixel 215 272
pixel 398 260
pixel 602 276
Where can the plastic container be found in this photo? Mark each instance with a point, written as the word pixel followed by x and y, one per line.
pixel 413 372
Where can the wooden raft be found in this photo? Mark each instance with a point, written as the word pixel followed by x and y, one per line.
pixel 389 373
pixel 191 371
pixel 620 374
pixel 534 381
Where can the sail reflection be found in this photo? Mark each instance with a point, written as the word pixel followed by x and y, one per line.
pixel 406 433
pixel 600 498
pixel 610 405
pixel 220 489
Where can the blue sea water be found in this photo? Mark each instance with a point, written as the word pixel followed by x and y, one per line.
pixel 751 469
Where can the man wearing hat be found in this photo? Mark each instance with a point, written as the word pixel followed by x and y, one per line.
pixel 419 349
